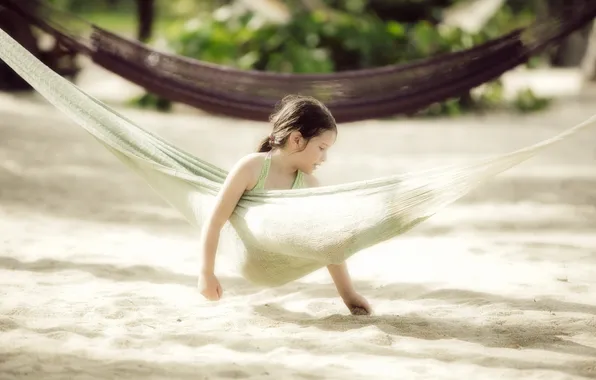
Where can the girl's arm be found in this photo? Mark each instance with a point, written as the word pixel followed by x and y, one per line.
pixel 240 178
pixel 339 272
pixel 341 277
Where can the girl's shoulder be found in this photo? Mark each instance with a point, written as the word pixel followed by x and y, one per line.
pixel 249 167
pixel 252 160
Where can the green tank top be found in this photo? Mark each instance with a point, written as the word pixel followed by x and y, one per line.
pixel 298 181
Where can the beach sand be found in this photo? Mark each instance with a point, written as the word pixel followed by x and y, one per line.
pixel 98 275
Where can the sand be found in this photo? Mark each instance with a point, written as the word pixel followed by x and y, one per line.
pixel 98 275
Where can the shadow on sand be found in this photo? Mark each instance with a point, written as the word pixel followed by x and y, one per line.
pixel 493 332
pixel 496 332
pixel 46 365
pixel 240 286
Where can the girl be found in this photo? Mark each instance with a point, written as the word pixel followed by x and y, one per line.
pixel 303 132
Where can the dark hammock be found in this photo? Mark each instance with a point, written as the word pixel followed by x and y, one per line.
pixel 350 95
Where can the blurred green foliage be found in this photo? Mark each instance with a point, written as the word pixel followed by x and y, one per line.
pixel 166 8
pixel 87 6
pixel 356 35
pixel 120 16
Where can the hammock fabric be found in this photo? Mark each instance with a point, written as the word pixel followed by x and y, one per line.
pixel 325 224
pixel 350 95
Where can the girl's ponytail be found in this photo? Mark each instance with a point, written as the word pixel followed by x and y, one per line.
pixel 265 145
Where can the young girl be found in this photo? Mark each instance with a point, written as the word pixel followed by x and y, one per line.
pixel 303 132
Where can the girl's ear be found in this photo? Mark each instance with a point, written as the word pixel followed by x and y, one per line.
pixel 296 139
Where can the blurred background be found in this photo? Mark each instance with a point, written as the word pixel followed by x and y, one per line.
pixel 298 36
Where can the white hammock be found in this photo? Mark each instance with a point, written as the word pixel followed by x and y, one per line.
pixel 277 235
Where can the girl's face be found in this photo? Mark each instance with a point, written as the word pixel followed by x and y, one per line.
pixel 315 153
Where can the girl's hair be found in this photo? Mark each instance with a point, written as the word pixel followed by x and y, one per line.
pixel 304 114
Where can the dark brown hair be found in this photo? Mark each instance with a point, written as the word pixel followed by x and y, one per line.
pixel 304 114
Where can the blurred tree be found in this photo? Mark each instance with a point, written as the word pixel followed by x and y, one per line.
pixel 589 60
pixel 409 10
pixel 319 36
pixel 89 6
pixel 146 15
pixel 57 58
pixel 337 35
pixel 570 51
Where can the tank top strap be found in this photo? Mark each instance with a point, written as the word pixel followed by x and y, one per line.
pixel 298 181
pixel 297 184
pixel 264 173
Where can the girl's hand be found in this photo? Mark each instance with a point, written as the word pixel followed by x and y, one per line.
pixel 210 287
pixel 357 304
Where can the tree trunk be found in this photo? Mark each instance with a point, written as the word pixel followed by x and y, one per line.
pixel 408 12
pixel 146 13
pixel 571 50
pixel 58 59
pixel 18 29
pixel 589 60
